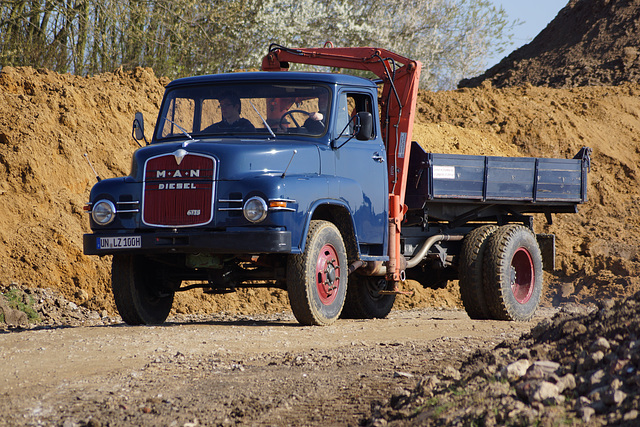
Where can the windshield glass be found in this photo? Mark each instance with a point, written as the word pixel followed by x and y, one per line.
pixel 241 109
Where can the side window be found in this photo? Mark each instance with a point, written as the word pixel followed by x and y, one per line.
pixel 342 114
pixel 352 103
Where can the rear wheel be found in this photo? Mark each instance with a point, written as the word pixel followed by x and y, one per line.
pixel 317 278
pixel 364 300
pixel 513 273
pixel 140 290
pixel 470 272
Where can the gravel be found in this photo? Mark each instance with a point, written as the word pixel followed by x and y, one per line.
pixel 579 367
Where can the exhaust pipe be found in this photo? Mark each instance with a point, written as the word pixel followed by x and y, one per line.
pixel 377 268
pixel 424 248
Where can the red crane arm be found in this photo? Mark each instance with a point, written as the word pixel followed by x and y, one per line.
pixel 400 76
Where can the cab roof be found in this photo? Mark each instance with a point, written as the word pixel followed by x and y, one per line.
pixel 273 76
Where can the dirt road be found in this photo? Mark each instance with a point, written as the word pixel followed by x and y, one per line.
pixel 217 370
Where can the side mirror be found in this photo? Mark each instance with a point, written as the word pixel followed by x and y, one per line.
pixel 365 120
pixel 362 124
pixel 138 128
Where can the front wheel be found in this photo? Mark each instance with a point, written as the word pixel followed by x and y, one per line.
pixel 317 278
pixel 139 289
pixel 364 300
pixel 512 273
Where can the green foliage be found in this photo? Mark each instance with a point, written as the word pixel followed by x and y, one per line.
pixel 18 300
pixel 452 38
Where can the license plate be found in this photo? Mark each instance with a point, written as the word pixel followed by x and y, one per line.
pixel 127 242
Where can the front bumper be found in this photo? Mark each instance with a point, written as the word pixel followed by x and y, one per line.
pixel 228 242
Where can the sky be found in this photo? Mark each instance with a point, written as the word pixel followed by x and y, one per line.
pixel 535 16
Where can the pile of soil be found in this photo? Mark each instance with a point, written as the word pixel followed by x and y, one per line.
pixel 49 121
pixel 590 42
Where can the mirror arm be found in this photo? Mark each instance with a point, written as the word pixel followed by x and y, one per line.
pixel 356 129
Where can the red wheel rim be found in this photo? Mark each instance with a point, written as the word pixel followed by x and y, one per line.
pixel 523 276
pixel 327 274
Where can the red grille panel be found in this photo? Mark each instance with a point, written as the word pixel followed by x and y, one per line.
pixel 178 195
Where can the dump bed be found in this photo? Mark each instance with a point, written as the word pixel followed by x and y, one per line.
pixel 522 184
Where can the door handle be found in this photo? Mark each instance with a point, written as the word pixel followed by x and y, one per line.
pixel 377 157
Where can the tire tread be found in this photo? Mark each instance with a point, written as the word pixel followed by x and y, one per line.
pixel 471 276
pixel 497 261
pixel 299 292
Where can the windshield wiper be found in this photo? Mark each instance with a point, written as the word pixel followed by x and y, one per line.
pixel 262 118
pixel 179 127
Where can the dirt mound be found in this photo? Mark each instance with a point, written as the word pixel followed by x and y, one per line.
pixel 590 42
pixel 49 121
pixel 577 368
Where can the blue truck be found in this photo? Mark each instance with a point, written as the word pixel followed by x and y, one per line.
pixel 310 182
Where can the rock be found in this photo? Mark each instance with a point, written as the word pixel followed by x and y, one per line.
pixel 82 296
pixel 546 391
pixel 573 327
pixel 615 384
pixel 516 370
pixel 613 397
pixel 451 373
pixel 585 413
pixel 12 317
pixel 538 391
pixel 535 373
pixel 426 385
pixel 399 374
pixel 568 382
pixel 597 377
pixel 631 415
pixel 594 358
pixel 547 366
pixel 601 344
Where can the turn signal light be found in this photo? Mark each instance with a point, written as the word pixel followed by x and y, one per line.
pixel 277 204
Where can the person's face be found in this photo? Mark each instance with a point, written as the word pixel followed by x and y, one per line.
pixel 229 110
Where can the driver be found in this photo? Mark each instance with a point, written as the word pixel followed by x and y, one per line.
pixel 316 121
pixel 230 107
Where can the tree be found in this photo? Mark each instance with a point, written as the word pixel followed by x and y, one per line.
pixel 184 37
pixel 451 38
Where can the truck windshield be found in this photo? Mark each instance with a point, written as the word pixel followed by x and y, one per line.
pixel 244 109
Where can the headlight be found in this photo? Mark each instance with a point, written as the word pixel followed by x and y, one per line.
pixel 103 212
pixel 255 209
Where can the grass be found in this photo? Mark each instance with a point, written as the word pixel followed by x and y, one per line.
pixel 18 300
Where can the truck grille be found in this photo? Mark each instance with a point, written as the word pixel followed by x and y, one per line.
pixel 178 190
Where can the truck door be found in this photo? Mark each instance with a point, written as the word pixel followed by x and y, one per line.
pixel 361 170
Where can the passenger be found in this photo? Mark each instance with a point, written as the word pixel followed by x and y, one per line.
pixel 230 107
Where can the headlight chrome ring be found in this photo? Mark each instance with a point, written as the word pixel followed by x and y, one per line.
pixel 255 209
pixel 103 212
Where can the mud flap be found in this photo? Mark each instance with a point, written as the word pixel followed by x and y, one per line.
pixel 547 243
